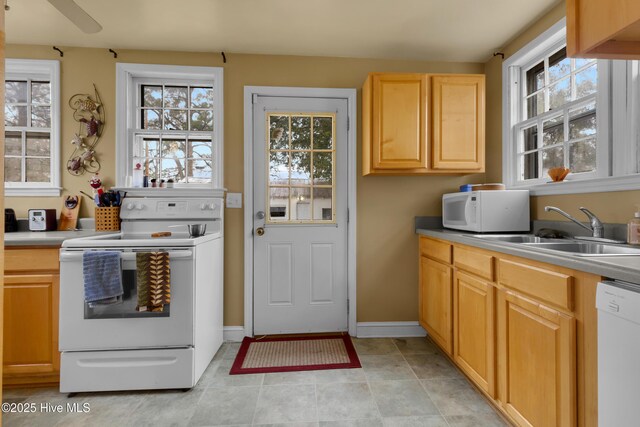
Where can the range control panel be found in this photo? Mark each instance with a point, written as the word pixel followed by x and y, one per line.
pixel 154 208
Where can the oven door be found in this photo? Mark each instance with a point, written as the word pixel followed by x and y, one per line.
pixel 119 325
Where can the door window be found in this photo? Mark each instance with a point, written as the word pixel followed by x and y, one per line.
pixel 300 173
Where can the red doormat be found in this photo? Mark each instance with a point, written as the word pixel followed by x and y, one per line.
pixel 258 356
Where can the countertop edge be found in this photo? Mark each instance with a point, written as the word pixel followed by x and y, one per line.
pixel 586 264
pixel 20 239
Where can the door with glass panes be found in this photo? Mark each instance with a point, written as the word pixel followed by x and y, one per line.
pixel 300 218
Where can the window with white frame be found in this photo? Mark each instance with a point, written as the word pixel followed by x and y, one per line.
pixel 577 113
pixel 32 147
pixel 170 123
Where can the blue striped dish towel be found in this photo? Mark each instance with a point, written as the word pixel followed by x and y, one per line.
pixel 102 278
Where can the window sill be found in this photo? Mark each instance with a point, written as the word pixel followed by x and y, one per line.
pixel 596 185
pixel 176 191
pixel 32 192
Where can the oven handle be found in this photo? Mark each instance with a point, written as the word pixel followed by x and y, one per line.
pixel 124 256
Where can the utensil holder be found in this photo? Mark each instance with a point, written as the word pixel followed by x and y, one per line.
pixel 107 219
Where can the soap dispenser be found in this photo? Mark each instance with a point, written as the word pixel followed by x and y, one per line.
pixel 633 229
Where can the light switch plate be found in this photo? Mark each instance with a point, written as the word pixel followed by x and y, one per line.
pixel 234 200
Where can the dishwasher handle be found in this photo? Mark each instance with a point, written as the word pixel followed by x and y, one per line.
pixel 124 256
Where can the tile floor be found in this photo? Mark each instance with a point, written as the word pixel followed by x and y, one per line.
pixel 403 382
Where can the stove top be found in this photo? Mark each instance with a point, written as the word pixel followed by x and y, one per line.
pixel 144 240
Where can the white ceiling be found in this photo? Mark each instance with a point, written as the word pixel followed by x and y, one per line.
pixel 443 30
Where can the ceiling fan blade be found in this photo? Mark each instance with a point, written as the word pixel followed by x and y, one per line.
pixel 77 15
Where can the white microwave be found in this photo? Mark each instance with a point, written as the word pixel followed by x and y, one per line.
pixel 487 211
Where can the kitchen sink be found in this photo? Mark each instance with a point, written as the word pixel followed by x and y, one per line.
pixel 588 249
pixel 510 238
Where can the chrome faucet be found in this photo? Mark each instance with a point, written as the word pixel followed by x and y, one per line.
pixel 596 225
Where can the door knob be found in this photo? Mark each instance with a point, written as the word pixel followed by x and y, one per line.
pixel 260 215
pixel 260 231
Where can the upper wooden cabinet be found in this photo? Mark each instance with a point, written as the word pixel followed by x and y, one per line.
pixel 416 124
pixel 607 29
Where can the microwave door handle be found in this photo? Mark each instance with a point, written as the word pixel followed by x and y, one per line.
pixel 125 256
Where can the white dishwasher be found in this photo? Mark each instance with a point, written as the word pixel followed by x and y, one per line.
pixel 618 305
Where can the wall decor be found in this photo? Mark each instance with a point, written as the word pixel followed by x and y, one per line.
pixel 89 113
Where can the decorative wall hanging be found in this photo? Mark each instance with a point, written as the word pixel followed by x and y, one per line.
pixel 89 113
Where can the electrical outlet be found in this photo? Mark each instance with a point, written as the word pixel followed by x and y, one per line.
pixel 234 200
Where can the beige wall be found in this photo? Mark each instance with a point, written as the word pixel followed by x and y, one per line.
pixel 615 207
pixel 387 268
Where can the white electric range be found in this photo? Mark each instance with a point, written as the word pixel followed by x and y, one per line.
pixel 115 347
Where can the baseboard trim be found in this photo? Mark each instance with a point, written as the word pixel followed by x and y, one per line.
pixel 389 330
pixel 233 333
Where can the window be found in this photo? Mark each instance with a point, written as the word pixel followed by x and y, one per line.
pixel 569 112
pixel 32 128
pixel 172 124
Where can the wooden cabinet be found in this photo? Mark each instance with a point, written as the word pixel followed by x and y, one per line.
pixel 435 302
pixel 537 349
pixel 474 329
pixel 31 291
pixel 458 122
pixel 606 29
pixel 423 124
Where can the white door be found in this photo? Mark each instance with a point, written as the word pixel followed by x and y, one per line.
pixel 300 215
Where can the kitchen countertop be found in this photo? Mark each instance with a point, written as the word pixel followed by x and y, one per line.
pixel 625 268
pixel 46 238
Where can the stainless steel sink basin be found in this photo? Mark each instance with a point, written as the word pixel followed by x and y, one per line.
pixel 588 249
pixel 510 238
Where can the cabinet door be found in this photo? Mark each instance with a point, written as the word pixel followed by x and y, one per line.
pixel 30 327
pixel 458 122
pixel 435 302
pixel 473 329
pixel 537 353
pixel 399 117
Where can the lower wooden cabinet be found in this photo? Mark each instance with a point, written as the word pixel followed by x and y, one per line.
pixel 31 292
pixel 473 329
pixel 537 349
pixel 435 301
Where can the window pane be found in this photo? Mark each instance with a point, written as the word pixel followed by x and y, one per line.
pixel 587 81
pixel 173 148
pixel 13 144
pixel 580 62
pixel 15 91
pixel 146 147
pixel 300 168
pixel 559 94
pixel 322 168
pixel 151 119
pixel 529 139
pixel 582 156
pixel 559 65
pixel 175 119
pixel 41 117
pixel 172 169
pixel 38 144
pixel 300 133
pixel 582 121
pixel 15 115
pixel 199 171
pixel 535 78
pixel 201 97
pixel 149 166
pixel 202 120
pixel 175 97
pixel 552 158
pixel 279 132
pixel 279 204
pixel 322 133
pixel 529 166
pixel 151 96
pixel 301 203
pixel 40 93
pixel 535 105
pixel 322 204
pixel 553 131
pixel 279 167
pixel 200 148
pixel 12 169
pixel 38 170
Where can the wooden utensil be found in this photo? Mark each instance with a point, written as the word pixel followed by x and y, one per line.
pixel 69 213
